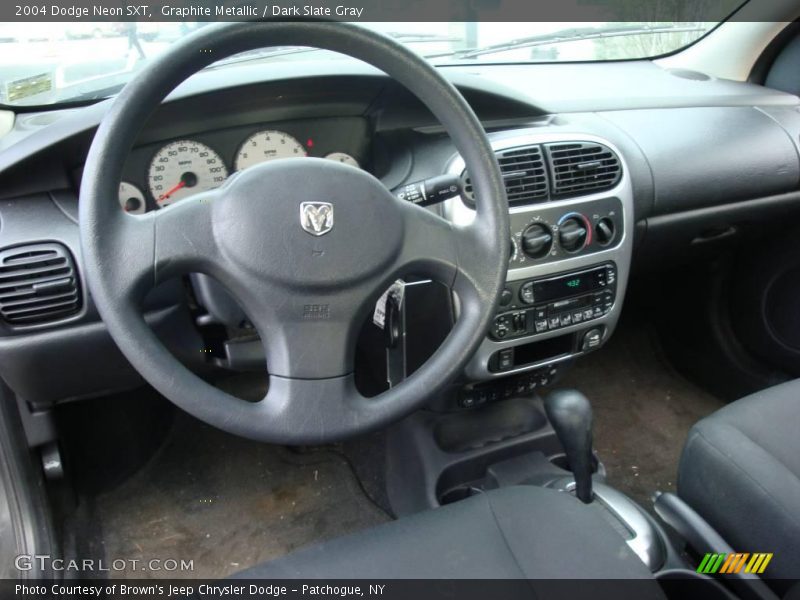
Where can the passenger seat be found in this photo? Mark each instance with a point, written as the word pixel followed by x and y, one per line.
pixel 740 470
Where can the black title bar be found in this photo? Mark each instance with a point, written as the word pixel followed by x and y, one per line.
pixel 370 10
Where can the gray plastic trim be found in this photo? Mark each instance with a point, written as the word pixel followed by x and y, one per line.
pixel 645 540
pixel 459 213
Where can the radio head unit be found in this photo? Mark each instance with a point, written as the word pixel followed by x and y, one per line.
pixel 535 306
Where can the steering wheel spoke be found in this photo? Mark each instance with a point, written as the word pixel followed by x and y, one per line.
pixel 305 335
pixel 329 407
pixel 149 249
pixel 456 256
pixel 184 237
pixel 430 245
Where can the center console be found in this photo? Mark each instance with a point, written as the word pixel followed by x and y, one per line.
pixel 571 220
pixel 571 231
pixel 569 258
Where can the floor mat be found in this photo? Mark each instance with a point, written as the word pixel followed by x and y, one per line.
pixel 227 503
pixel 643 410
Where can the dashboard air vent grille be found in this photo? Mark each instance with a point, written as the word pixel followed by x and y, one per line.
pixel 581 167
pixel 524 174
pixel 38 284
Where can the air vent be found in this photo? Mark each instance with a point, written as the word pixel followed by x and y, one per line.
pixel 581 167
pixel 524 174
pixel 38 284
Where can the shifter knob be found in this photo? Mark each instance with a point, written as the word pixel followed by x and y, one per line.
pixel 570 415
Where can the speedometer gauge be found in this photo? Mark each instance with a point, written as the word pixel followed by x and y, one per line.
pixel 183 168
pixel 267 145
pixel 131 198
pixel 343 157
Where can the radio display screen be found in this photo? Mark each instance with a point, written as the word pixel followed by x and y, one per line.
pixel 570 285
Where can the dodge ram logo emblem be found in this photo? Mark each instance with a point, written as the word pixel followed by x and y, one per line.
pixel 316 217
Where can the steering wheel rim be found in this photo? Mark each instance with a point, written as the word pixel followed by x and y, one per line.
pixel 312 396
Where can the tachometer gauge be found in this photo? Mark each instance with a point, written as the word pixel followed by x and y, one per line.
pixel 267 145
pixel 131 199
pixel 343 158
pixel 183 168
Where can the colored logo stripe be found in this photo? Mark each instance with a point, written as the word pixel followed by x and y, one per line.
pixel 734 562
pixel 758 563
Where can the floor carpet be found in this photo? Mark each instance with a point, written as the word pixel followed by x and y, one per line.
pixel 227 503
pixel 643 410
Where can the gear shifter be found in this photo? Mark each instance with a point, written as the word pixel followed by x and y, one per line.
pixel 570 414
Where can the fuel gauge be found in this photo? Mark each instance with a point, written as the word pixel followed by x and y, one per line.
pixel 343 157
pixel 131 199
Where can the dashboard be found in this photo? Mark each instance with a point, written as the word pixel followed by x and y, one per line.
pixel 658 173
pixel 168 171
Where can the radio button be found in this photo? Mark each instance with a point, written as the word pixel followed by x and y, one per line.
pixel 577 317
pixel 592 340
pixel 554 322
pixel 506 296
pixel 505 359
pixel 588 314
pixel 501 327
pixel 526 293
pixel 541 325
pixel 540 312
pixel 566 319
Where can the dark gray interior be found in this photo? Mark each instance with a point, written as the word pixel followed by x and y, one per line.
pixel 624 234
pixel 227 501
pixel 753 436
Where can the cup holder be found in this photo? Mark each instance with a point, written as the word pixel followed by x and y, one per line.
pixel 462 492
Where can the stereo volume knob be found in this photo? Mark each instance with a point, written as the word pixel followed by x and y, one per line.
pixel 536 240
pixel 572 234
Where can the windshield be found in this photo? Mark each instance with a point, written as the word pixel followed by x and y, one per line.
pixel 47 63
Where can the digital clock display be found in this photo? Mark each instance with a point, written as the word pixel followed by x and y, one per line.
pixel 569 285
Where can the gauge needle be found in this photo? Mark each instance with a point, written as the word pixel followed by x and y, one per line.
pixel 171 191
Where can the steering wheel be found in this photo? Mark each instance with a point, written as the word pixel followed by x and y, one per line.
pixel 305 245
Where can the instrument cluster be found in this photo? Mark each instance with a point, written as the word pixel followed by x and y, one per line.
pixel 161 174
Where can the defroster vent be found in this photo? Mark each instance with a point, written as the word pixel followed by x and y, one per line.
pixel 524 174
pixel 582 167
pixel 38 284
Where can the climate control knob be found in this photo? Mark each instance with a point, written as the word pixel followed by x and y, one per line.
pixel 536 240
pixel 605 231
pixel 572 234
